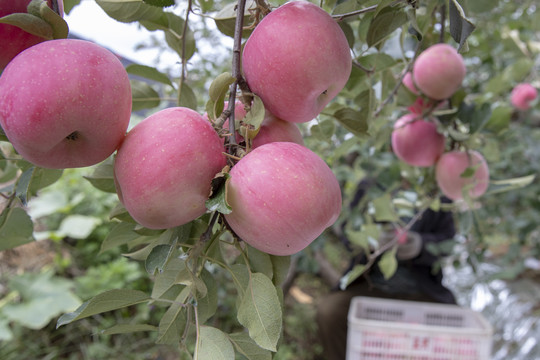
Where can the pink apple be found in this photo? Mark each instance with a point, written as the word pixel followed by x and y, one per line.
pixel 297 60
pixel 282 196
pixel 274 129
pixel 65 103
pixel 164 168
pixel 408 81
pixel 439 71
pixel 522 95
pixel 416 141
pixel 14 39
pixel 449 170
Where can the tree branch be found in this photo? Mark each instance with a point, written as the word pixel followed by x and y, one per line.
pixel 341 17
pixel 184 60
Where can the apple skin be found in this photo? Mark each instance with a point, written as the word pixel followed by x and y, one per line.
pixel 416 141
pixel 450 167
pixel 439 71
pixel 164 168
pixel 282 196
pixel 14 39
pixel 65 103
pixel 522 95
pixel 408 81
pixel 297 60
pixel 274 129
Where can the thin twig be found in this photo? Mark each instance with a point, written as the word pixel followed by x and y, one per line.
pixel 398 84
pixel 443 23
pixel 341 17
pixel 184 60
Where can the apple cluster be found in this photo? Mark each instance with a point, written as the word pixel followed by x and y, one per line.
pixel 67 103
pixel 416 139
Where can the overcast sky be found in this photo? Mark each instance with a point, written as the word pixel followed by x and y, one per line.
pixel 89 21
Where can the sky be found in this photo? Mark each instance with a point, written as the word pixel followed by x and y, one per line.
pixel 87 20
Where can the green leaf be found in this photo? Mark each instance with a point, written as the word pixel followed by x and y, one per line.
pixel 44 297
pixel 218 201
pixel 217 91
pixel 187 97
pixel 388 263
pixel 143 96
pixel 384 211
pixel 353 120
pixel 167 278
pixel 127 11
pixel 102 177
pixel 248 348
pixel 107 301
pixel 33 179
pixel 213 344
pixel 324 130
pixel 148 72
pixel 122 233
pixel 352 275
pixel 29 23
pixel 255 116
pixel 16 228
pixel 174 321
pixel 384 24
pixel 207 305
pixel 78 226
pixel 157 258
pixel 128 328
pixel 460 27
pixel 260 312
pixel 176 39
pixel 160 3
pixel 260 262
pixel 280 268
pixel 57 22
pixel 5 331
pixel 499 186
pixel 225 18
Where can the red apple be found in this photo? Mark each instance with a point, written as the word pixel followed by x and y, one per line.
pixel 408 81
pixel 439 71
pixel 297 60
pixel 522 95
pixel 416 141
pixel 274 129
pixel 14 39
pixel 450 168
pixel 164 168
pixel 282 196
pixel 65 103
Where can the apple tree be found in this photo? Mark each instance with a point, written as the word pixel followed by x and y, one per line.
pixel 259 161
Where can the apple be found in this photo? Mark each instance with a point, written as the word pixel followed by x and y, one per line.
pixel 522 95
pixel 450 169
pixel 14 39
pixel 408 81
pixel 274 129
pixel 297 60
pixel 439 71
pixel 416 141
pixel 282 196
pixel 164 168
pixel 65 103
